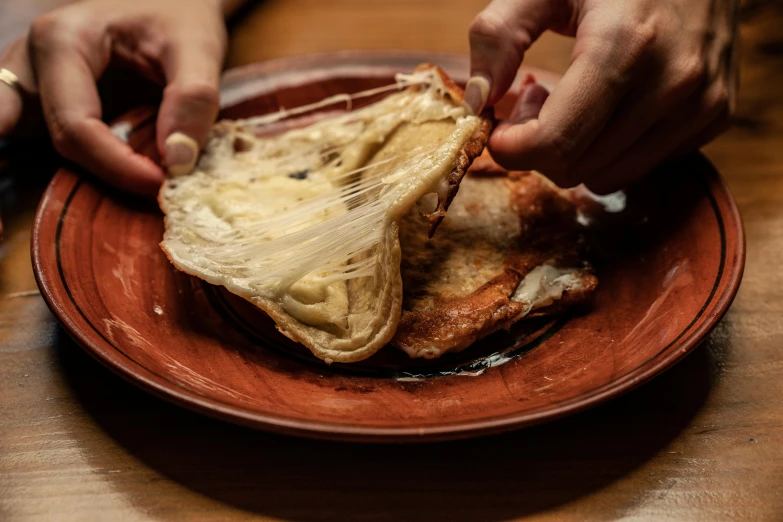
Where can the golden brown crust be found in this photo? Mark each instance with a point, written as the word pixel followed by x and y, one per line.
pixel 454 91
pixel 374 310
pixel 472 149
pixel 455 323
pixel 468 306
pixel 485 165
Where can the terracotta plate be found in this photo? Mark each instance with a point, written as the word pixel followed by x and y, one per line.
pixel 669 265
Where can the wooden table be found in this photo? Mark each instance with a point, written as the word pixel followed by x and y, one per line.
pixel 702 442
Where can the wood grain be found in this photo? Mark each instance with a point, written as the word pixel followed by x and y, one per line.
pixel 703 442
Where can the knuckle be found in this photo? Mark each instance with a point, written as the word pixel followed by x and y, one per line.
pixel 202 94
pixel 491 30
pixel 64 132
pixel 65 27
pixel 632 39
pixel 215 40
pixel 44 28
pixel 622 50
pixel 17 46
pixel 641 38
pixel 484 27
pixel 62 140
pixel 691 74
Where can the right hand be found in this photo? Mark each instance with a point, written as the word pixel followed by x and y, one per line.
pixel 648 80
pixel 178 43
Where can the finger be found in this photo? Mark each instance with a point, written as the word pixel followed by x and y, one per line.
pixel 531 100
pixel 191 99
pixel 638 112
pixel 499 37
pixel 72 110
pixel 571 118
pixel 691 124
pixel 15 58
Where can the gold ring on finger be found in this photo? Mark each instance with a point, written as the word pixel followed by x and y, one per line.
pixel 10 79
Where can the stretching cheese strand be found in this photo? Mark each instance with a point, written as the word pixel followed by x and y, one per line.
pixel 294 215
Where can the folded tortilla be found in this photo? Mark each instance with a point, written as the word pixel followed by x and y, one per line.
pixel 305 224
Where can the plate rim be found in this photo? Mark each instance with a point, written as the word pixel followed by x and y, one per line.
pixel 133 372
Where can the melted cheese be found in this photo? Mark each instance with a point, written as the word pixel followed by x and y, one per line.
pixel 293 217
pixel 544 285
pixel 541 287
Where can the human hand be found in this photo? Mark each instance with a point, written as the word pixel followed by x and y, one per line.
pixel 648 80
pixel 177 43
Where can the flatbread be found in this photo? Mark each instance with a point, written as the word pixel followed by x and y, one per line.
pixel 304 224
pixel 510 248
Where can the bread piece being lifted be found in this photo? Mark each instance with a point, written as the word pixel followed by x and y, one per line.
pixel 304 224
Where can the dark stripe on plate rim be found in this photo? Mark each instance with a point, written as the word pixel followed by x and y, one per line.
pixel 67 288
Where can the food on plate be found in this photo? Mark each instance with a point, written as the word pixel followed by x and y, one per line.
pixel 304 224
pixel 328 224
pixel 510 247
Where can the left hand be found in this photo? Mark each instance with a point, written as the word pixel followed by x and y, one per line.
pixel 177 43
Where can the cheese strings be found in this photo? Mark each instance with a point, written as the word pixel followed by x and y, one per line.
pixel 402 82
pixel 314 203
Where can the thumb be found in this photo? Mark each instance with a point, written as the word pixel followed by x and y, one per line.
pixel 190 102
pixel 531 99
pixel 499 37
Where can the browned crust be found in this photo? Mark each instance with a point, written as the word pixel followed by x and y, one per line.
pixel 313 339
pixel 485 166
pixel 472 150
pixel 454 91
pixel 454 323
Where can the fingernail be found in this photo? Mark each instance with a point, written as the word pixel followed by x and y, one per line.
pixel 180 152
pixel 476 94
pixel 529 103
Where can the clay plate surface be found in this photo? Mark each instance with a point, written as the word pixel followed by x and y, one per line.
pixel 669 265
